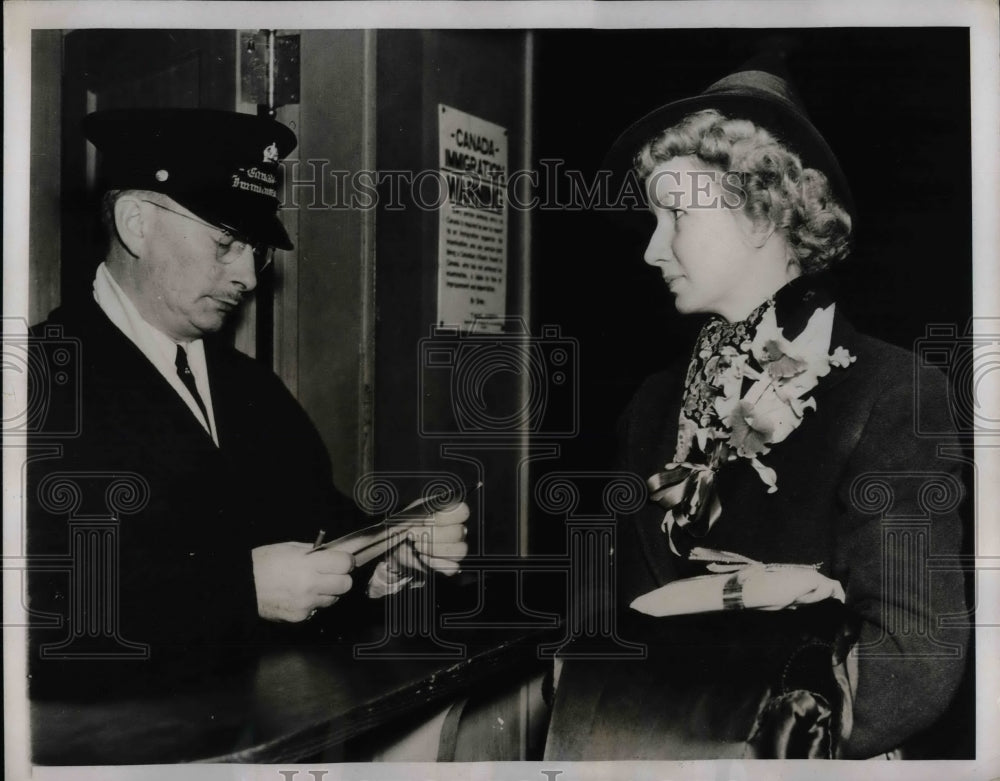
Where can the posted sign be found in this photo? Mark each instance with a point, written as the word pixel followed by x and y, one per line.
pixel 472 226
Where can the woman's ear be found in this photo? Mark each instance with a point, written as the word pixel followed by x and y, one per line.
pixel 760 232
pixel 130 224
pixel 793 266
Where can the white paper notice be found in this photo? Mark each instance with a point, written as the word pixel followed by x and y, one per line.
pixel 472 228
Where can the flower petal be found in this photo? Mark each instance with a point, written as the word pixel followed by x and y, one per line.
pixel 768 475
pixel 841 358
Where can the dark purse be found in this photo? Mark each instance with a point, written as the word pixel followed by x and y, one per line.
pixel 735 685
pixel 809 713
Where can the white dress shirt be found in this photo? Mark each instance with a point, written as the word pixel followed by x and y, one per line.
pixel 159 348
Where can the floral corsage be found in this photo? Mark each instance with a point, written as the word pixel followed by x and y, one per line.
pixel 747 423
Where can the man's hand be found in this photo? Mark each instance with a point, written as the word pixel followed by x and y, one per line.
pixel 292 583
pixel 440 546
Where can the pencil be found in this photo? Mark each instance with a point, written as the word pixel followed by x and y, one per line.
pixel 319 540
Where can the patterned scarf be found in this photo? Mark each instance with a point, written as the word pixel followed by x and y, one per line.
pixel 698 409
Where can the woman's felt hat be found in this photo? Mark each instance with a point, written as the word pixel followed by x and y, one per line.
pixel 759 91
pixel 222 165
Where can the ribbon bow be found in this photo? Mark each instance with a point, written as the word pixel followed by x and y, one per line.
pixel 687 492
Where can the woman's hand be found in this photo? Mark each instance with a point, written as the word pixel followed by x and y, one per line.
pixel 785 587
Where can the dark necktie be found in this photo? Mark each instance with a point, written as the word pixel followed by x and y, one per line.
pixel 184 372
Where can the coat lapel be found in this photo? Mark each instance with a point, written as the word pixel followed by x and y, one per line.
pixel 229 398
pixel 127 376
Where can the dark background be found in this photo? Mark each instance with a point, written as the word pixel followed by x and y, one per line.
pixel 892 103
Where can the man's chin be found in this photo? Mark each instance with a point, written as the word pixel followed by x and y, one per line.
pixel 211 322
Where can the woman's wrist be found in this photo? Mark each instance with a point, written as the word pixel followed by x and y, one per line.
pixel 732 593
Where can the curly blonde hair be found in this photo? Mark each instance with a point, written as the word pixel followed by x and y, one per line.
pixel 798 201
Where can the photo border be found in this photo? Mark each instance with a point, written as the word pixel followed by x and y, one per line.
pixel 981 19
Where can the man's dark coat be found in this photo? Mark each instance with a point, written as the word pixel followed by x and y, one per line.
pixel 185 513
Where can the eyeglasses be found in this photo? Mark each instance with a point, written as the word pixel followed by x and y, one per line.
pixel 228 246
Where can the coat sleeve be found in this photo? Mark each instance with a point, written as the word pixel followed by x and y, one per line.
pixel 901 503
pixel 301 471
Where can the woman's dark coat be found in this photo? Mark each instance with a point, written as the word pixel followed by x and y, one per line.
pixel 862 494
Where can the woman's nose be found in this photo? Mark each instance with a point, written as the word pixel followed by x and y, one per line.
pixel 658 250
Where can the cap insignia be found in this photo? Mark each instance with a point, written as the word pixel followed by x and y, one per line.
pixel 271 153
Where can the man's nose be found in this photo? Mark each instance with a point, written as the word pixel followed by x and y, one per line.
pixel 242 270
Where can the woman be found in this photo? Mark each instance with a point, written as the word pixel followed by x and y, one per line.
pixel 779 573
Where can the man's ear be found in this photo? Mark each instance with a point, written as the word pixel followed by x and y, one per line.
pixel 130 224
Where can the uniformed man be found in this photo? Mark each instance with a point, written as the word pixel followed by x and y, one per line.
pixel 213 474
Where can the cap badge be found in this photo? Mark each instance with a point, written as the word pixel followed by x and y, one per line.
pixel 271 153
pixel 162 175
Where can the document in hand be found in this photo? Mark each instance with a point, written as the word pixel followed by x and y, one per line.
pixel 373 541
pixel 378 539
